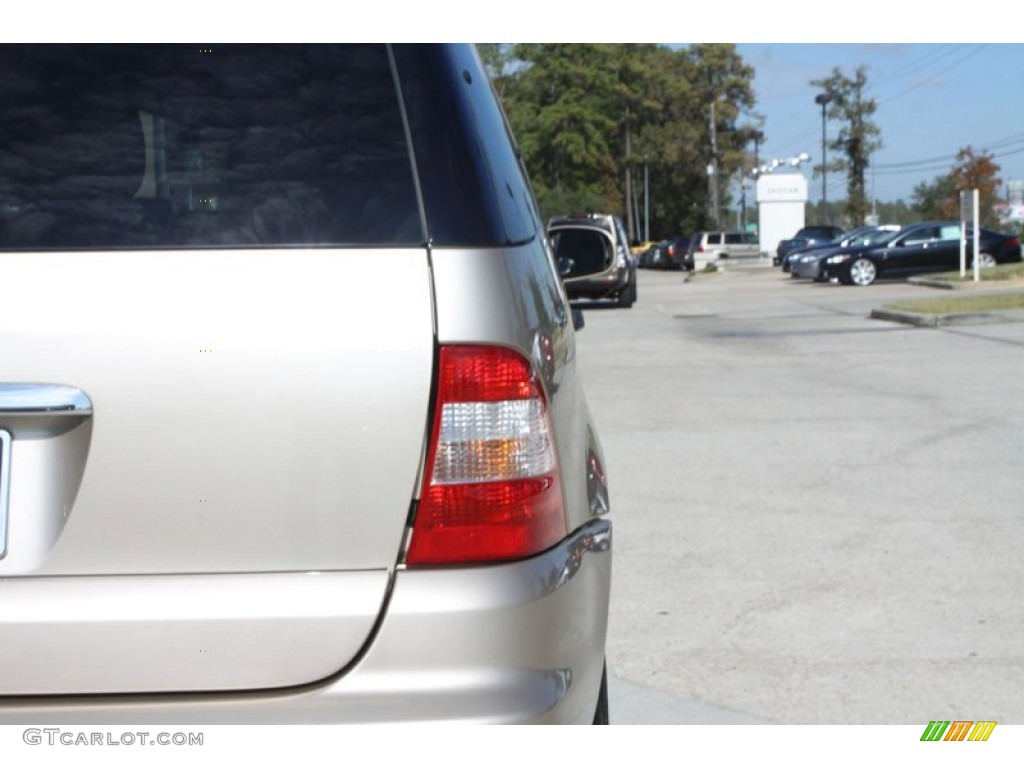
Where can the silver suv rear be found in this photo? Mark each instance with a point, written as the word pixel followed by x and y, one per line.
pixel 711 246
pixel 592 252
pixel 289 414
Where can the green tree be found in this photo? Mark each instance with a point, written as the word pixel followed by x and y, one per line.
pixel 560 103
pixel 858 135
pixel 896 212
pixel 940 198
pixel 725 90
pixel 590 118
pixel 980 172
pixel 931 199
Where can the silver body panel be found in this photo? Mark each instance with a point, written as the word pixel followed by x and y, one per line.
pixel 250 406
pixel 519 643
pixel 253 412
pixel 181 633
pixel 216 453
pixel 155 594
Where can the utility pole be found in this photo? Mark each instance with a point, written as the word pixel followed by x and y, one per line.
pixel 635 208
pixel 632 226
pixel 714 169
pixel 824 99
pixel 647 203
pixel 874 199
pixel 757 137
pixel 743 200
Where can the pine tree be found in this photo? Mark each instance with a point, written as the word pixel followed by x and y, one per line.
pixel 858 135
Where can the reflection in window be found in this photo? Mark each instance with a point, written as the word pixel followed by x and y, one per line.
pixel 179 146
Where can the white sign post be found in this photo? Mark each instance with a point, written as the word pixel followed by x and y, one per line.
pixel 963 236
pixel 969 215
pixel 977 245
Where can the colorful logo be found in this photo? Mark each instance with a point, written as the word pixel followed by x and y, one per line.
pixel 958 730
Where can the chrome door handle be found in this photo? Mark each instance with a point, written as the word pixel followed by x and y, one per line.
pixel 42 399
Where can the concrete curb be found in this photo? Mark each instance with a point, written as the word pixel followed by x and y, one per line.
pixel 923 320
pixel 925 282
pixel 995 286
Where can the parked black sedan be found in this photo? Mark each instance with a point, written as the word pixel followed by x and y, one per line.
pixel 932 246
pixel 814 235
pixel 806 262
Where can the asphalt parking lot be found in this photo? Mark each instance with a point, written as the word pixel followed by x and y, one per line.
pixel 817 514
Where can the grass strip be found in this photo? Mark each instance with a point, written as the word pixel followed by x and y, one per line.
pixel 998 272
pixel 944 306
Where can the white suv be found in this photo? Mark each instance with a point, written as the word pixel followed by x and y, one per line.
pixel 712 246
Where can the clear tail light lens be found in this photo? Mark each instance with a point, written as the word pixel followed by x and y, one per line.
pixel 492 490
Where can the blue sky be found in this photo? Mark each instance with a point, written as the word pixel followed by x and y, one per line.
pixel 932 100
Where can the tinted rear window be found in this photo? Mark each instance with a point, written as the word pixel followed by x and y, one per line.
pixel 826 232
pixel 187 146
pixel 475 190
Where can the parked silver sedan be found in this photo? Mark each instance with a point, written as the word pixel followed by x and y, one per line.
pixel 291 428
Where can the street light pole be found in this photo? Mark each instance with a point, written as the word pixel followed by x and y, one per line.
pixel 647 203
pixel 757 137
pixel 824 99
pixel 713 173
pixel 743 200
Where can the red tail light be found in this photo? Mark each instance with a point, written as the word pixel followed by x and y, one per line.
pixel 1013 242
pixel 491 489
pixel 700 248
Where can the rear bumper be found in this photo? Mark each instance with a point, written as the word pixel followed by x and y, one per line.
pixel 603 286
pixel 515 643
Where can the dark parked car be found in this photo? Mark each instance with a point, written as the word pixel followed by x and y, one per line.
pixel 806 262
pixel 655 256
pixel 679 255
pixel 814 235
pixel 932 246
pixel 593 257
pixel 643 259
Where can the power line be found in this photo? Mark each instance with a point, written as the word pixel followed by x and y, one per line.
pixel 944 167
pixel 916 165
pixel 928 59
pixel 808 129
pixel 1009 140
pixel 929 169
pixel 928 164
pixel 970 54
pixel 1008 154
